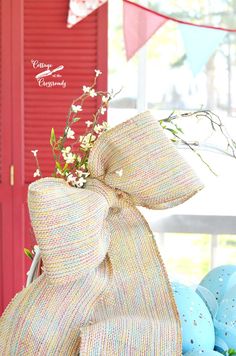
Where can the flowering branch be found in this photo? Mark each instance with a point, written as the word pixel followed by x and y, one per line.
pixel 71 159
pixel 38 172
pixel 170 125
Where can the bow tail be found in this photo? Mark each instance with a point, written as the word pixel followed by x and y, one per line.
pixel 138 312
pixel 45 319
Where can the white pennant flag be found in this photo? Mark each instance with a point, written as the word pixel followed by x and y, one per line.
pixel 79 9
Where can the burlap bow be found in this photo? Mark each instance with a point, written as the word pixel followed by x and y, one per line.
pixel 96 244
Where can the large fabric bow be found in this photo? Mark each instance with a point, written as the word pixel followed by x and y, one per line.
pixel 105 285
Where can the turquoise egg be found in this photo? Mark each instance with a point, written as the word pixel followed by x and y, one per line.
pixel 220 345
pixel 203 352
pixel 209 300
pixel 219 280
pixel 225 320
pixel 196 322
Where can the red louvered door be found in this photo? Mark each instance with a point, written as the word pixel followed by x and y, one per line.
pixel 41 41
pixel 6 191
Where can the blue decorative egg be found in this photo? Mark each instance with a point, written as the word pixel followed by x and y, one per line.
pixel 196 322
pixel 219 280
pixel 225 320
pixel 221 346
pixel 209 300
pixel 203 352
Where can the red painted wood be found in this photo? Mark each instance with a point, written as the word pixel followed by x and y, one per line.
pixel 38 31
pixel 18 141
pixel 79 50
pixel 6 192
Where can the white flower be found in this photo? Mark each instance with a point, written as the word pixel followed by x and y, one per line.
pixel 105 98
pixel 92 93
pixel 76 108
pixel 91 137
pixel 66 150
pixel 86 141
pixel 79 173
pixel 71 178
pixel 98 72
pixel 34 152
pixel 88 123
pixel 37 173
pixel 105 125
pixel 119 172
pixel 86 89
pixel 70 133
pixel 88 138
pixel 103 110
pixel 86 146
pixel 81 181
pixel 70 158
pixel 98 128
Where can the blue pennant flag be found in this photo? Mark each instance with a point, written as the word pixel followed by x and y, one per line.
pixel 200 43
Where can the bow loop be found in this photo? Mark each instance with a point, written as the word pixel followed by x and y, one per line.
pixel 137 158
pixel 70 228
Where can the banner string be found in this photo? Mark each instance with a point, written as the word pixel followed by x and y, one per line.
pixel 179 21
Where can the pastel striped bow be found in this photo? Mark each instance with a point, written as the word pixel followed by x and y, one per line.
pixel 97 246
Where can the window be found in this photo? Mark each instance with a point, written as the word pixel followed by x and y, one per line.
pixel 203 229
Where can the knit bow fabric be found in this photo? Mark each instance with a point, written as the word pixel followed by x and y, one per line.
pixel 105 290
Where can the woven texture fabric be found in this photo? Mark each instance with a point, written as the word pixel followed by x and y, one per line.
pixel 105 290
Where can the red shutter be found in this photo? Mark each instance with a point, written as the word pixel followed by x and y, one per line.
pixel 47 39
pixel 39 33
pixel 6 109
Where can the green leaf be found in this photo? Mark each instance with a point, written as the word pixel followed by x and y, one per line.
pixel 58 165
pixel 53 137
pixel 28 253
pixel 174 132
pixel 180 130
pixel 179 61
pixel 65 167
pixel 75 119
pixel 232 352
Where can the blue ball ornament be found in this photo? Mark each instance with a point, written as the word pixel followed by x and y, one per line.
pixel 196 322
pixel 221 346
pixel 225 320
pixel 203 352
pixel 219 280
pixel 209 300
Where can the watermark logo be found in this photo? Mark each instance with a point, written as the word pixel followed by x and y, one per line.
pixel 49 77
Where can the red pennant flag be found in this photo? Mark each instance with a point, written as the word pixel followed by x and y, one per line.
pixel 140 24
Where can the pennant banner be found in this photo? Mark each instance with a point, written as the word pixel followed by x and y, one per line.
pixel 79 9
pixel 200 44
pixel 139 25
pixel 200 41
